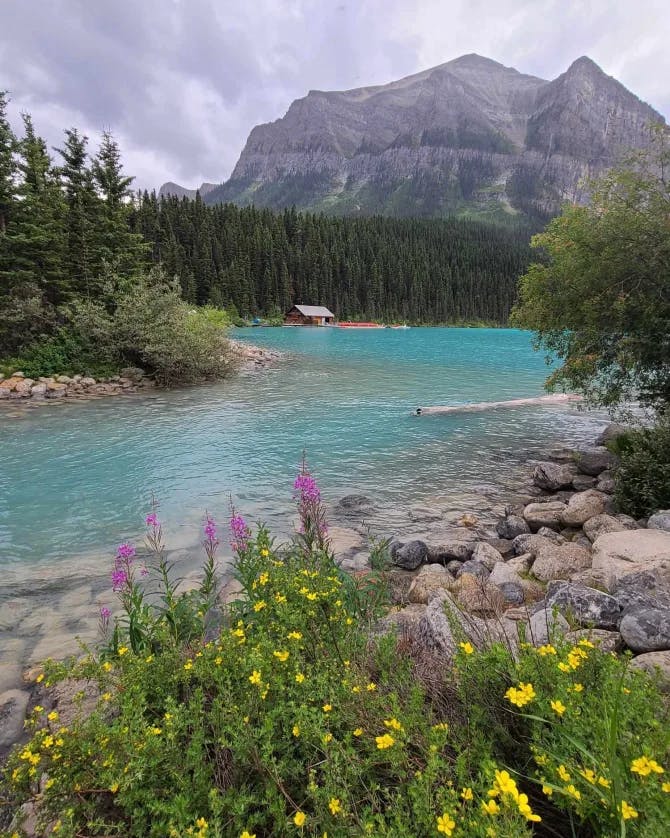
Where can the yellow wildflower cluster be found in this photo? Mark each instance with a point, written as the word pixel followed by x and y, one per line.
pixel 644 766
pixel 521 695
pixel 505 788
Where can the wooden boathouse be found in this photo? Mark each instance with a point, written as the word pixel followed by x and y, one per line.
pixel 301 315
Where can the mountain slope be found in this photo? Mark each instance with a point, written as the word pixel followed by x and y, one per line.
pixel 178 191
pixel 469 137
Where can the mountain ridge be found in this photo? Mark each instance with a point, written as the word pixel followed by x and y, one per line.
pixel 469 137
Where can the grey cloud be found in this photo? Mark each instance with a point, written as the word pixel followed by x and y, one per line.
pixel 182 82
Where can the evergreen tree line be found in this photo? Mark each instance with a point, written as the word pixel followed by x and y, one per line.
pixel 261 262
pixel 72 231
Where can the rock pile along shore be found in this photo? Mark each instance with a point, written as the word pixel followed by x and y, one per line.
pixel 131 380
pixel 563 562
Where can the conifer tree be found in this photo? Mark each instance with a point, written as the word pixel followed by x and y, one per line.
pixel 8 147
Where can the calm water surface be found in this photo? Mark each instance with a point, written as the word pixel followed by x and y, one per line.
pixel 77 478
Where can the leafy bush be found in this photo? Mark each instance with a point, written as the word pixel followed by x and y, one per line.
pixel 643 476
pixel 291 718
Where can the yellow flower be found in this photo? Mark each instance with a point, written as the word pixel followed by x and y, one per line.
pixel 296 730
pixel 255 677
pixel 525 810
pixel 38 709
pixel 149 659
pixel 644 766
pixel 563 667
pixel 392 724
pixel 563 773
pixel 56 827
pixel 294 635
pixel 327 708
pixel 282 656
pixel 327 738
pixel 335 806
pixel 491 807
pixel 39 678
pixel 371 687
pixel 155 730
pixel 586 643
pixel 627 812
pixel 299 677
pixel 522 695
pixel 53 716
pixel 122 650
pixel 467 794
pixel 558 707
pixel 265 552
pixel 589 775
pixel 547 790
pixel 468 648
pixel 359 732
pixel 188 665
pixel 604 782
pixel 247 834
pixel 573 792
pixel 578 687
pixel 666 788
pixel 106 696
pixel 107 666
pixel 355 689
pixel 445 824
pixel 280 597
pixel 545 650
pixel 540 759
pixel 114 788
pixel 260 605
pixel 385 741
pixel 300 818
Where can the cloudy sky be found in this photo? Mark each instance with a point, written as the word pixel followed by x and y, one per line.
pixel 182 82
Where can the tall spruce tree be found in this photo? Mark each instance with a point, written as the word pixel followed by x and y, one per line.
pixel 8 147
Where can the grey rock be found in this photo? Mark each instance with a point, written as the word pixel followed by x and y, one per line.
pixel 403 622
pixel 589 607
pixel 552 535
pixel 595 460
pixel 548 514
pixel 612 432
pixel 354 505
pixel 513 592
pixel 643 589
pixel 445 552
pixel 582 482
pixel 600 524
pixel 474 568
pixel 646 630
pixel 606 483
pixel 560 562
pixel 511 526
pixel 13 704
pixel 530 544
pixel 504 572
pixel 453 566
pixel 38 389
pixel 581 507
pixel 618 554
pixel 486 554
pixel 502 545
pixel 431 578
pixel 656 665
pixel 627 520
pixel 521 563
pixel 660 520
pixel 410 555
pixel 544 625
pixel 553 476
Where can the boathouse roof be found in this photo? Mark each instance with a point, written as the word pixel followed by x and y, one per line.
pixel 314 311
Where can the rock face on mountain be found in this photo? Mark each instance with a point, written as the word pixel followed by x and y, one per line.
pixel 178 191
pixel 469 137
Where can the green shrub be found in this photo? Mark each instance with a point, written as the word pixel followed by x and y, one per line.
pixel 643 476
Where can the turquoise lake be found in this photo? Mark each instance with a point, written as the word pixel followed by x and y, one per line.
pixel 77 478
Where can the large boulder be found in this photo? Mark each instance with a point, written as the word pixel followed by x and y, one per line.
pixel 13 704
pixel 511 526
pixel 530 544
pixel 647 629
pixel 487 555
pixel 547 514
pixel 595 460
pixel 660 520
pixel 618 554
pixel 560 562
pixel 582 482
pixel 473 568
pixel 656 665
pixel 644 589
pixel 477 596
pixel 606 483
pixel 600 524
pixel 544 625
pixel 553 476
pixel 351 506
pixel 450 550
pixel 431 578
pixel 588 606
pixel 610 433
pixel 503 573
pixel 409 556
pixel 582 506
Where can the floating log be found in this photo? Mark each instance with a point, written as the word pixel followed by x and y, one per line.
pixel 556 398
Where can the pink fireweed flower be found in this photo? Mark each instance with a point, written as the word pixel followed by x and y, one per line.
pixel 305 486
pixel 125 551
pixel 210 529
pixel 119 579
pixel 152 520
pixel 240 533
pixel 105 614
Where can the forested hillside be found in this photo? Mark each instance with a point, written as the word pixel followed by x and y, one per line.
pixel 380 268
